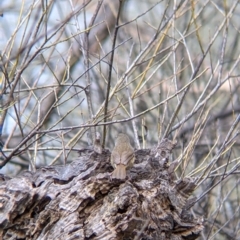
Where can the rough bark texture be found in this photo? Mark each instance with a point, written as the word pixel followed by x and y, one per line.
pixel 80 201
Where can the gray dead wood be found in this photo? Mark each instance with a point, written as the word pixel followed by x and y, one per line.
pixel 79 201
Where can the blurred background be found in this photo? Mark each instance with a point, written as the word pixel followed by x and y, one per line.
pixel 152 69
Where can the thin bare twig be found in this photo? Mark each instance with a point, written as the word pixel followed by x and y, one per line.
pixel 121 2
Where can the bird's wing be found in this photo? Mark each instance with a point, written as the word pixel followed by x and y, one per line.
pixel 126 157
pixel 115 158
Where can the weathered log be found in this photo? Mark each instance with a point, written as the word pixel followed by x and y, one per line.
pixel 80 201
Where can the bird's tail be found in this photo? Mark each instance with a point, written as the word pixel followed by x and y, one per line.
pixel 119 172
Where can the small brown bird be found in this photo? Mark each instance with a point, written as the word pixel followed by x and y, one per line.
pixel 97 146
pixel 122 157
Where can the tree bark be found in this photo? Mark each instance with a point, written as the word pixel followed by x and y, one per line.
pixel 81 201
